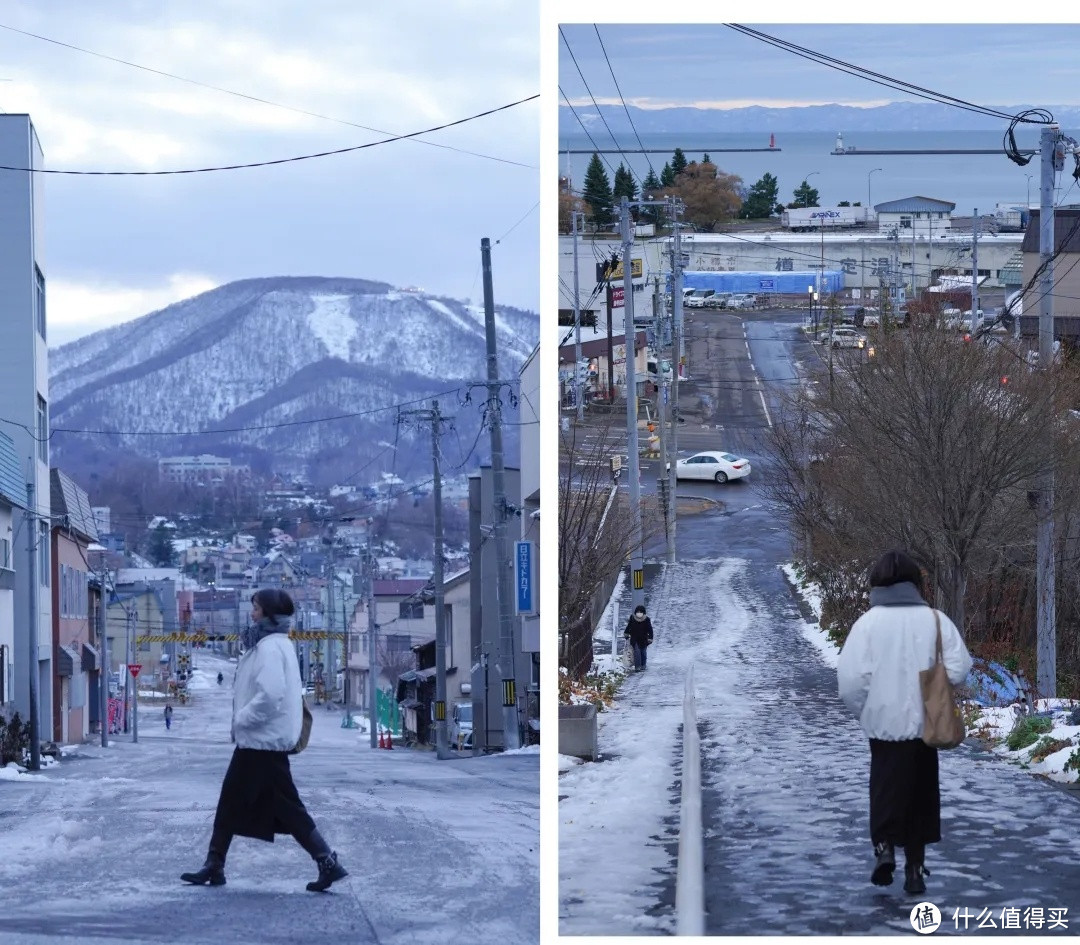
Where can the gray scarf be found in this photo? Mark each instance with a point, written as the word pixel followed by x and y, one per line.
pixel 252 634
pixel 904 594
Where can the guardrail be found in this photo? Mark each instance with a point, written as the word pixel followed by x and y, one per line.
pixel 690 870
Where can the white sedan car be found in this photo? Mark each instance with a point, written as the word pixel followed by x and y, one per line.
pixel 720 467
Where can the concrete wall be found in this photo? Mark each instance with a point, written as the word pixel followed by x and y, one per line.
pixel 24 378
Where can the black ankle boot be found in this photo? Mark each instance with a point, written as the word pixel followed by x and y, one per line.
pixel 212 872
pixel 884 864
pixel 913 878
pixel 330 871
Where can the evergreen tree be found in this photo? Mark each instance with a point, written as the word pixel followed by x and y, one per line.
pixel 161 550
pixel 625 185
pixel 667 176
pixel 597 193
pixel 678 162
pixel 761 199
pixel 805 196
pixel 706 159
pixel 650 190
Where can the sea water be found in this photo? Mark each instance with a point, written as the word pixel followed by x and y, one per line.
pixel 971 181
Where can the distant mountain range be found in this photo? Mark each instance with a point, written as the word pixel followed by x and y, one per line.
pixel 276 352
pixel 896 116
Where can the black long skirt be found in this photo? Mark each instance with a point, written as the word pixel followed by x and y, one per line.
pixel 258 798
pixel 905 800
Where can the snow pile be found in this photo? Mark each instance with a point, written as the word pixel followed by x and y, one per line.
pixel 13 772
pixel 812 632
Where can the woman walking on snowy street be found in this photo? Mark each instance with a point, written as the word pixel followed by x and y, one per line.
pixel 640 634
pixel 258 798
pixel 878 674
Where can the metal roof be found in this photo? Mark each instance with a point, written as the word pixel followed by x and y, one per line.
pixel 12 486
pixel 914 205
pixel 70 500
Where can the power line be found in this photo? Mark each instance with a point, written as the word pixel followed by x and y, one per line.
pixel 877 77
pixel 593 97
pixel 514 227
pixel 596 147
pixel 252 98
pixel 623 100
pixel 288 160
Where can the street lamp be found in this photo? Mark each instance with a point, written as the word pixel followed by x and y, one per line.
pixel 806 191
pixel 1027 206
pixel 869 202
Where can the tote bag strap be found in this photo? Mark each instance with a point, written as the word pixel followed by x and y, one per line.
pixel 938 657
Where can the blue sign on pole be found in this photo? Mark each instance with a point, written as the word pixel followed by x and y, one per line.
pixel 525 578
pixel 767 284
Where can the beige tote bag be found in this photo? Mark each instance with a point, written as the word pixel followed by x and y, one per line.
pixel 943 725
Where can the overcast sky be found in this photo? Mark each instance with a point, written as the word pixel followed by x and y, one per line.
pixel 713 66
pixel 404 213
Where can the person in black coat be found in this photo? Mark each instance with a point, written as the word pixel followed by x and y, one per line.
pixel 640 634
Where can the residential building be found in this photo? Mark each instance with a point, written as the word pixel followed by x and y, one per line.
pixel 24 403
pixel 12 491
pixel 486 638
pixel 75 658
pixel 921 216
pixel 529 504
pixel 1066 294
pixel 135 610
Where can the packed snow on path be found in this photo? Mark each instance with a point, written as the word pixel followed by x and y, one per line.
pixel 437 851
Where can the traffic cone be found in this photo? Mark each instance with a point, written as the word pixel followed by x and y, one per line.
pixel 382 740
pixel 389 740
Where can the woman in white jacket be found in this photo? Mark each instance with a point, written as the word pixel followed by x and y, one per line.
pixel 258 798
pixel 878 675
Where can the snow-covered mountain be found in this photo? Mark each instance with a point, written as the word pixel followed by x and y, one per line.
pixel 276 351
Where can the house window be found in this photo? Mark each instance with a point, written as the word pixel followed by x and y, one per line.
pixel 39 301
pixel 398 643
pixel 5 558
pixel 411 610
pixel 43 429
pixel 905 223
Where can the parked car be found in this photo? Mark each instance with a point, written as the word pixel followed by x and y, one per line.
pixel 720 300
pixel 658 371
pixel 846 338
pixel 697 298
pixel 461 723
pixel 742 301
pixel 711 464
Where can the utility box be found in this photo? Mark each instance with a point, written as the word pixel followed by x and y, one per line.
pixel 577 731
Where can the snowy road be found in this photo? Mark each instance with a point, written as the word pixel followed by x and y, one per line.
pixel 785 767
pixel 91 850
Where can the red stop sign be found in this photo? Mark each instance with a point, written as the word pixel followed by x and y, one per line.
pixel 134 668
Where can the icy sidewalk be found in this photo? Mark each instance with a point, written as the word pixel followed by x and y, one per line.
pixel 92 849
pixel 786 803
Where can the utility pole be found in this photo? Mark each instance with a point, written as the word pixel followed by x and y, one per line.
pixel 103 683
pixel 637 568
pixel 330 568
pixel 974 269
pixel 34 536
pixel 436 419
pixel 1052 159
pixel 373 669
pixel 511 729
pixel 579 385
pixel 667 501
pixel 610 342
pixel 675 208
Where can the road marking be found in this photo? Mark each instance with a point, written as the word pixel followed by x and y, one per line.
pixel 765 407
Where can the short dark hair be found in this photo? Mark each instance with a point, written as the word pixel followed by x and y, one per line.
pixel 896 567
pixel 274 603
pixel 640 609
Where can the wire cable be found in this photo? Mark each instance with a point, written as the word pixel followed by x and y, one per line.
pixel 251 98
pixel 623 100
pixel 288 160
pixel 879 78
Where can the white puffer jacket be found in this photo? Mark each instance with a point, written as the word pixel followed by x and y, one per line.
pixel 266 696
pixel 879 666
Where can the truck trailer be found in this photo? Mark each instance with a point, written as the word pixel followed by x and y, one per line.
pixel 812 219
